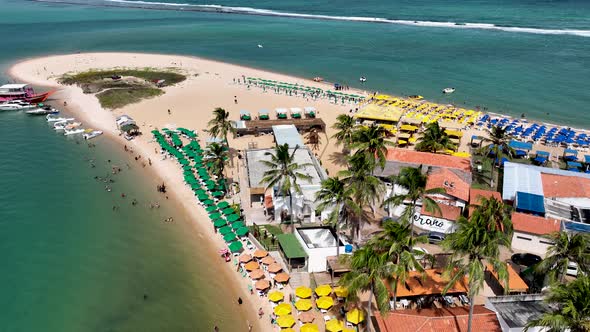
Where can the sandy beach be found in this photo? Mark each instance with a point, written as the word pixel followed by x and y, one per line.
pixel 209 84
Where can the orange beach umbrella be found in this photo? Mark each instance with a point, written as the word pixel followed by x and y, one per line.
pixel 274 268
pixel 260 253
pixel 251 266
pixel 267 260
pixel 262 284
pixel 245 258
pixel 257 274
pixel 282 277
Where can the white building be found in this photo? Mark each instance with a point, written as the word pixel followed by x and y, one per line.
pixel 319 243
pixel 530 231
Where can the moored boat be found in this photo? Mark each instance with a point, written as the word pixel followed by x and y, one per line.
pixel 24 92
pixel 54 118
pixel 90 134
pixel 43 110
pixel 448 90
pixel 16 105
pixel 66 125
pixel 74 131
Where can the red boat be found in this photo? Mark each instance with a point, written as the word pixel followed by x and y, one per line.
pixel 23 92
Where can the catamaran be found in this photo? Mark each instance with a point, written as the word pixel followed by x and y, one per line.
pixel 24 92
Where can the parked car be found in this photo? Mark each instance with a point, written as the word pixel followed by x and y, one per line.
pixel 434 237
pixel 526 259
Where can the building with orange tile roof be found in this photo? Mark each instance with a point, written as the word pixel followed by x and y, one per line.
pixel 431 283
pixel 515 283
pixel 438 320
pixel 475 196
pixel 529 232
pixel 399 158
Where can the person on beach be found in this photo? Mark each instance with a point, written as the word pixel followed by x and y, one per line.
pixel 240 300
pixel 260 313
pixel 169 113
pixel 236 99
pixel 216 329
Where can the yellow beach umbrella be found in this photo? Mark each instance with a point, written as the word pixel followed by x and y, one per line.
pixel 289 329
pixel 334 325
pixel 303 292
pixel 348 329
pixel 325 302
pixel 355 316
pixel 276 296
pixel 309 327
pixel 303 304
pixel 323 290
pixel 462 154
pixel 282 309
pixel 286 321
pixel 341 291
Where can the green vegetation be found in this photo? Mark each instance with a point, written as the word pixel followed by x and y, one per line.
pixel 116 88
pixel 117 98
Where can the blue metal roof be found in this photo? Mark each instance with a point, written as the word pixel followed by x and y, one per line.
pixel 577 227
pixel 520 145
pixel 530 203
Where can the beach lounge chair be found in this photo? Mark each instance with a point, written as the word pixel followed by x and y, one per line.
pixel 281 113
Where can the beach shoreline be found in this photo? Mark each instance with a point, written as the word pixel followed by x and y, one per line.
pixel 86 108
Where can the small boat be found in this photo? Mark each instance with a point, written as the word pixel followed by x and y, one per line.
pixel 448 90
pixel 44 110
pixel 416 97
pixel 90 134
pixel 16 105
pixel 362 79
pixel 66 125
pixel 54 118
pixel 75 131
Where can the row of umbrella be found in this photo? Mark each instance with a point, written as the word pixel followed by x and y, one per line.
pixel 222 215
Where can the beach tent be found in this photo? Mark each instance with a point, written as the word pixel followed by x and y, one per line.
pixel 573 165
pixel 281 113
pixel 517 145
pixel 310 111
pixel 245 115
pixel 570 154
pixel 263 115
pixel 296 113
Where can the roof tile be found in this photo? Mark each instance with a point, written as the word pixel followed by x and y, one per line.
pixel 438 320
pixel 431 159
pixel 454 184
pixel 528 223
pixel 565 186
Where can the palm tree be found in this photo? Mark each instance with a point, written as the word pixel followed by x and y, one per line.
pixel 476 241
pixel 369 271
pixel 345 125
pixel 435 139
pixel 217 155
pixel 495 214
pixel 565 249
pixel 284 172
pixel 412 180
pixel 499 143
pixel 572 312
pixel 366 188
pixel 313 138
pixel 220 126
pixel 396 239
pixel 335 193
pixel 372 141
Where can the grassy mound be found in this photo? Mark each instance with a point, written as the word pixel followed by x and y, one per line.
pixel 116 88
pixel 117 98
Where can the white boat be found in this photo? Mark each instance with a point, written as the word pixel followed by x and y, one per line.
pixel 448 90
pixel 91 134
pixel 75 131
pixel 16 105
pixel 44 110
pixel 66 125
pixel 362 79
pixel 54 118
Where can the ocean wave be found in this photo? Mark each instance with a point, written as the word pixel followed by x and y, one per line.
pixel 268 12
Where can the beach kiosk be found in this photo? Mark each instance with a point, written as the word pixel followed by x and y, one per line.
pixel 263 115
pixel 281 113
pixel 310 112
pixel 245 115
pixel 296 113
pixel 127 126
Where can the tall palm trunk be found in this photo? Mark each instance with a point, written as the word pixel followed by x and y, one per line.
pixel 470 320
pixel 369 321
pixel 395 294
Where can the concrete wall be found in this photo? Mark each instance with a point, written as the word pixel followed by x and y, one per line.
pixel 535 244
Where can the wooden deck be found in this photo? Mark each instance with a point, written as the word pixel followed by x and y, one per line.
pixel 254 127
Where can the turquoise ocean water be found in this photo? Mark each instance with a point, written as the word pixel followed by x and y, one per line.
pixel 70 263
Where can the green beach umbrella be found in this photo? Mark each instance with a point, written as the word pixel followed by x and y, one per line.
pixel 209 202
pixel 210 186
pixel 242 231
pixel 225 230
pixel 204 197
pixel 237 224
pixel 219 223
pixel 233 217
pixel 211 208
pixel 236 246
pixel 217 194
pixel 215 215
pixel 223 205
pixel 201 192
pixel 228 211
pixel 229 237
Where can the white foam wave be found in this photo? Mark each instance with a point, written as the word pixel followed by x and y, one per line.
pixel 268 12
